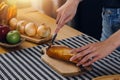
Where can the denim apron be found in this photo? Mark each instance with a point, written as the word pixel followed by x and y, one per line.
pixel 110 22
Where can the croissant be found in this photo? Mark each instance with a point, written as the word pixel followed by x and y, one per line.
pixel 60 52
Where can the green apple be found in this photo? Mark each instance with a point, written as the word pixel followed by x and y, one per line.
pixel 13 37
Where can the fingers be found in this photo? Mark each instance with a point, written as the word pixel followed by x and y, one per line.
pixel 62 22
pixel 59 21
pixel 57 28
pixel 80 55
pixel 86 59
pixel 77 50
pixel 91 61
pixel 58 16
pixel 62 18
pixel 68 19
pixel 81 52
pixel 85 55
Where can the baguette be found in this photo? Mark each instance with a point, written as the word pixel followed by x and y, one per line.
pixel 61 53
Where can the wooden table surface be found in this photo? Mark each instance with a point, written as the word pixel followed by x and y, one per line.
pixel 38 18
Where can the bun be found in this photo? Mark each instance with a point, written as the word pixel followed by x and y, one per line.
pixel 13 23
pixel 30 29
pixel 21 26
pixel 43 31
pixel 60 52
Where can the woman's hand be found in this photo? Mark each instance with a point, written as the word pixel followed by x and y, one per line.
pixel 66 13
pixel 93 52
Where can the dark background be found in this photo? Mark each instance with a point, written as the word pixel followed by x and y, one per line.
pixel 88 18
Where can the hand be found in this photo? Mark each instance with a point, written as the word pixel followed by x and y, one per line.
pixel 66 13
pixel 93 52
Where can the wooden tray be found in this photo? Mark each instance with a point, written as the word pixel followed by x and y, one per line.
pixel 12 45
pixel 108 77
pixel 35 40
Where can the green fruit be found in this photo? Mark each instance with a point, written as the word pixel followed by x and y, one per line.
pixel 13 37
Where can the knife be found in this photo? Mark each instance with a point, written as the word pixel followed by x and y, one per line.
pixel 53 39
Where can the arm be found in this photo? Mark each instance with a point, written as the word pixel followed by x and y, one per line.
pixel 66 13
pixel 115 38
pixel 97 51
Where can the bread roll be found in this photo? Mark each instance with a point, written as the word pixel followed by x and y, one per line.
pixel 43 31
pixel 60 52
pixel 13 23
pixel 21 26
pixel 30 29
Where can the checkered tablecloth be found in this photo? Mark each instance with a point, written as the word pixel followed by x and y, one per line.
pixel 26 64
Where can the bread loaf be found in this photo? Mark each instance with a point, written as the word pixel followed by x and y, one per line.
pixel 60 52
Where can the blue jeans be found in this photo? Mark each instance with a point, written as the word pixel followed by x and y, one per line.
pixel 111 22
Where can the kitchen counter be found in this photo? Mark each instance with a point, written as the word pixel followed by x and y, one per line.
pixel 32 15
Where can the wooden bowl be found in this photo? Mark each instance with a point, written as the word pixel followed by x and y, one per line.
pixel 6 45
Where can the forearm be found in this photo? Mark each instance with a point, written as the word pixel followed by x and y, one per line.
pixel 115 39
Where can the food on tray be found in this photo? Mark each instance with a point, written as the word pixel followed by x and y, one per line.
pixel 30 29
pixel 43 31
pixel 13 23
pixel 60 52
pixel 21 26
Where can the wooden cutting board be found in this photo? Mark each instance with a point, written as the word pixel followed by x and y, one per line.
pixel 108 77
pixel 62 67
pixel 65 68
